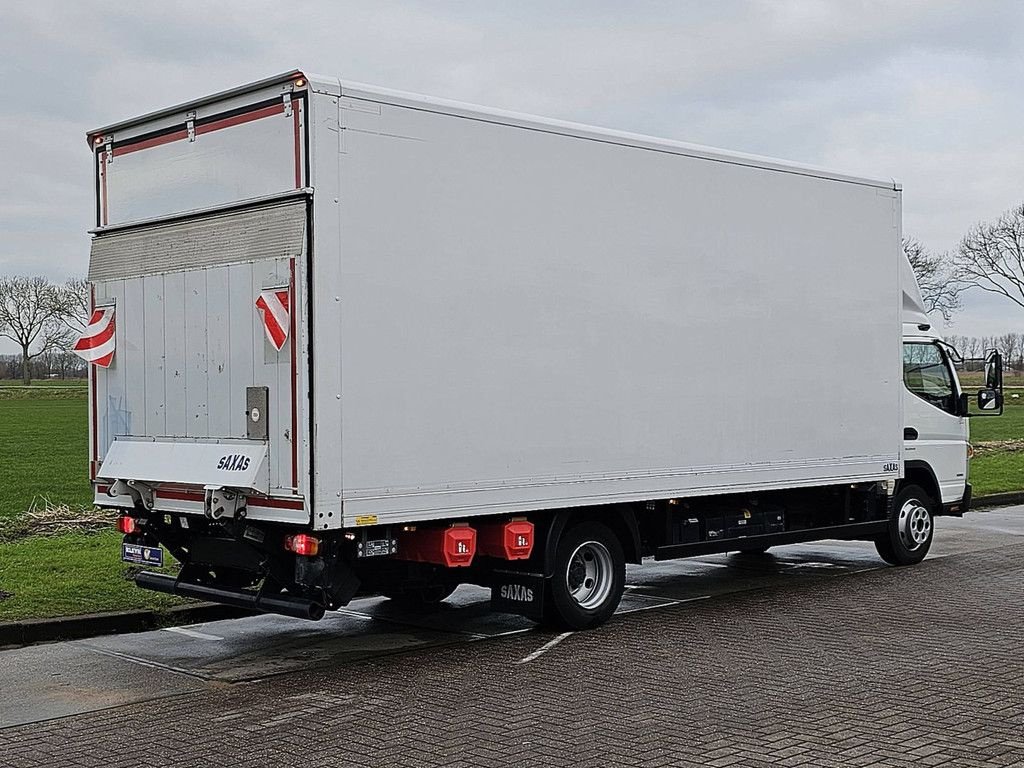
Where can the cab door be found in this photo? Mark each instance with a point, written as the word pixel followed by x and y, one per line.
pixel 935 433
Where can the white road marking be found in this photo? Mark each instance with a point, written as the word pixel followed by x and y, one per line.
pixel 544 648
pixel 354 614
pixel 192 633
pixel 817 564
pixel 147 663
pixel 668 603
pixel 665 604
pixel 504 634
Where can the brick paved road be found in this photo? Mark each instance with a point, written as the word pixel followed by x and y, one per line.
pixel 898 667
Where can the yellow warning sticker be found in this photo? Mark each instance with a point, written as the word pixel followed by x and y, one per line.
pixel 366 519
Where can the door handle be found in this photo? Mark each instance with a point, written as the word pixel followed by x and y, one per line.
pixel 909 433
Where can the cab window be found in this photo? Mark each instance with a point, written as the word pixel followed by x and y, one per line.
pixel 926 373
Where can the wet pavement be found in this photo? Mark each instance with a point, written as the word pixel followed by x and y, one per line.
pixel 849 661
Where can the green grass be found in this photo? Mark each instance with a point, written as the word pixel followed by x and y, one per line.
pixel 1003 471
pixel 45 383
pixel 43 393
pixel 997 473
pixel 45 451
pixel 1009 426
pixel 69 574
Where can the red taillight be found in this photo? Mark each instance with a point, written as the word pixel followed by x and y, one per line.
pixel 512 540
pixel 301 544
pixel 127 525
pixel 453 547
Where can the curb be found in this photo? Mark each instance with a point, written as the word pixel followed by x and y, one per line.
pixel 998 499
pixel 31 631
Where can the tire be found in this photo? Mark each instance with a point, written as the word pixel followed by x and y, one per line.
pixel 421 597
pixel 589 578
pixel 911 528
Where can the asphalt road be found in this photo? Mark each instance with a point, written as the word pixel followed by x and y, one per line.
pixel 817 654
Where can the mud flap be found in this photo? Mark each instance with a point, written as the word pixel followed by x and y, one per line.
pixel 518 592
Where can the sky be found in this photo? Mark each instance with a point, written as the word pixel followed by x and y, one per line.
pixel 929 93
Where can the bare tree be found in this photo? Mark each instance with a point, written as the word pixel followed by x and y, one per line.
pixel 935 277
pixel 73 304
pixel 975 347
pixel 30 315
pixel 991 256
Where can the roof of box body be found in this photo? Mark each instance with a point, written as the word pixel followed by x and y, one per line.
pixel 354 90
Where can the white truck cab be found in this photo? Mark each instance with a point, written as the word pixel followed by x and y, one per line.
pixel 935 409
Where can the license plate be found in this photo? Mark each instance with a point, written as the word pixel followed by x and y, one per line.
pixel 142 555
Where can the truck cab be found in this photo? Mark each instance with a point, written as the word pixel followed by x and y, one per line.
pixel 936 418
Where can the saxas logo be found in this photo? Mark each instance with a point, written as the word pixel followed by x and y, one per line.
pixel 516 592
pixel 233 462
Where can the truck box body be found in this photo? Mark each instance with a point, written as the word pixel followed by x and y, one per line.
pixel 488 312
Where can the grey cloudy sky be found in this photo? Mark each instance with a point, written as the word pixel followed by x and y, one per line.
pixel 929 93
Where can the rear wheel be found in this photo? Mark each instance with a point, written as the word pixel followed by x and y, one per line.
pixel 911 528
pixel 589 577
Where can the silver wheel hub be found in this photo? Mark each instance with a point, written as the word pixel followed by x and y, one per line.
pixel 915 524
pixel 589 574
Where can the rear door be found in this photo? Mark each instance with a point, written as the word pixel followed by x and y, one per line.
pixel 201 253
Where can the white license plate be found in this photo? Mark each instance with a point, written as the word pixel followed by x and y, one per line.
pixel 142 555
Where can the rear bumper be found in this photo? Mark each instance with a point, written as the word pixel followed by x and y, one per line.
pixel 186 500
pixel 286 605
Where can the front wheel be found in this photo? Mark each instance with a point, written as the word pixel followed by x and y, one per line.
pixel 589 578
pixel 911 528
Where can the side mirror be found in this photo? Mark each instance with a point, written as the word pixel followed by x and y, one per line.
pixel 990 400
pixel 994 371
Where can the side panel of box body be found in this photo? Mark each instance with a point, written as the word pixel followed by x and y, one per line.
pixel 523 319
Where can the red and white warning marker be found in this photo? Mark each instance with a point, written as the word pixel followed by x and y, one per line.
pixel 273 305
pixel 96 344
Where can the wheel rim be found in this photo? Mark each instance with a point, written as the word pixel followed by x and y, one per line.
pixel 915 524
pixel 589 574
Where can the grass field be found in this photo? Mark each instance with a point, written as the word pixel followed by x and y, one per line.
pixel 80 383
pixel 69 574
pixel 1009 426
pixel 1002 471
pixel 44 445
pixel 997 473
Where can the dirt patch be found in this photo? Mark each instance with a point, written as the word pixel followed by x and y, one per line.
pixel 46 519
pixel 998 446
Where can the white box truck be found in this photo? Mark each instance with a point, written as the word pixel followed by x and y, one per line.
pixel 347 340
